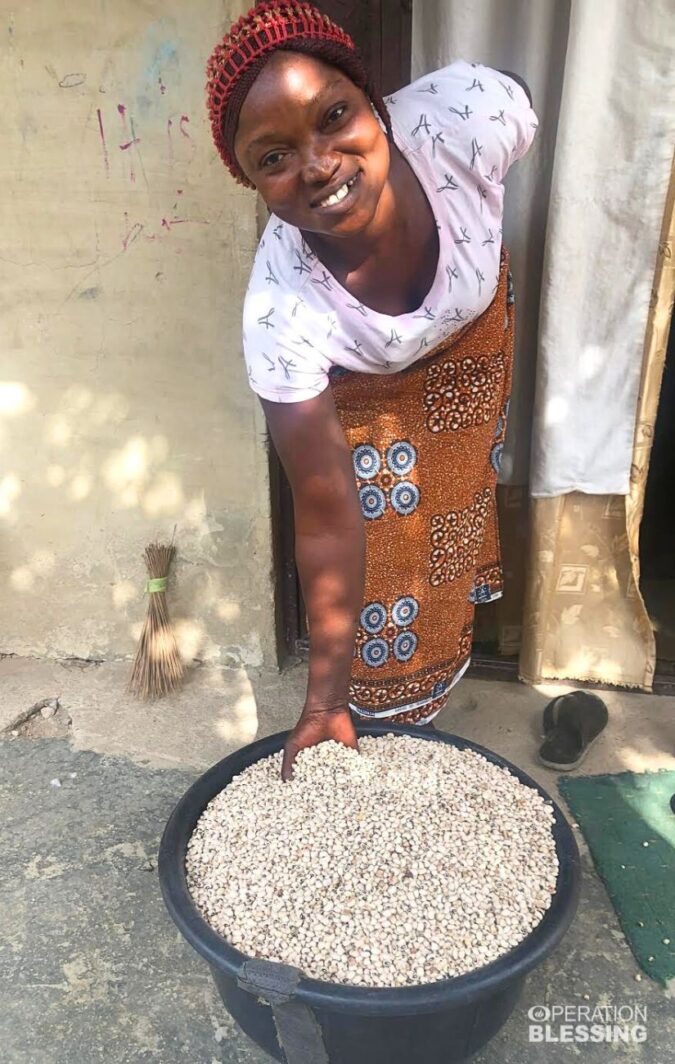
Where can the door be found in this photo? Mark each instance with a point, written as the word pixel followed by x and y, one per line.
pixel 382 30
pixel 657 531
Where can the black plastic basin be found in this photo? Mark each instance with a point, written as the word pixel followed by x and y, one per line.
pixel 433 1023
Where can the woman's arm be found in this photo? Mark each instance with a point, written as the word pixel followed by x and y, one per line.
pixel 329 542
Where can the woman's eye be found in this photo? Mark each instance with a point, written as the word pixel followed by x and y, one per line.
pixel 272 159
pixel 336 114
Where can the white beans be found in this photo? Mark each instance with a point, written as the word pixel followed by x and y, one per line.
pixel 408 862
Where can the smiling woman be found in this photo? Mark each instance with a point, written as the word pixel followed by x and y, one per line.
pixel 378 333
pixel 332 117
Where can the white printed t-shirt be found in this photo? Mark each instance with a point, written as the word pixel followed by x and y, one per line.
pixel 460 129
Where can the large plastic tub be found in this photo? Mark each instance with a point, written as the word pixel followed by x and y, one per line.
pixel 434 1023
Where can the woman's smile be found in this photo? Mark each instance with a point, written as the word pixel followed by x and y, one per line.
pixel 341 199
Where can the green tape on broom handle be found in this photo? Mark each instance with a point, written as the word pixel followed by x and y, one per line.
pixel 158 584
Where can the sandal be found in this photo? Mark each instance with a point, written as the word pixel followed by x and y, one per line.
pixel 572 723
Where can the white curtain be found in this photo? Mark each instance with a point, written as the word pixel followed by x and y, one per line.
pixel 583 215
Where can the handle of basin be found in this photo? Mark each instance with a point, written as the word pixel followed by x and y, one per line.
pixel 297 1027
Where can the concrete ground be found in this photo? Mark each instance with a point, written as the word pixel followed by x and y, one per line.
pixel 91 967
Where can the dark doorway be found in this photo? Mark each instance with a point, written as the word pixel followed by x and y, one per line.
pixel 382 30
pixel 657 532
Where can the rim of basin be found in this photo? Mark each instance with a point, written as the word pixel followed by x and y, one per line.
pixel 424 997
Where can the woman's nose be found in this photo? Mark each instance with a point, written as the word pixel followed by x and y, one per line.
pixel 319 167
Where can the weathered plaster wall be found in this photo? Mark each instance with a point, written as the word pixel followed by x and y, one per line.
pixel 124 407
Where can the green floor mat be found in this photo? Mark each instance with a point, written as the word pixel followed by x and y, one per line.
pixel 629 826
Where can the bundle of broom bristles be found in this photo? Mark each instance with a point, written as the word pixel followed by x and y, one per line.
pixel 158 668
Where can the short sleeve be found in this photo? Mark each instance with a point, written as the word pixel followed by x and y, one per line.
pixel 472 116
pixel 507 121
pixel 283 360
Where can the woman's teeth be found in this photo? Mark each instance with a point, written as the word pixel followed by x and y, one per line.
pixel 338 196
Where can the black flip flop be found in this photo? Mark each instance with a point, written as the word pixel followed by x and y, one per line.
pixel 572 723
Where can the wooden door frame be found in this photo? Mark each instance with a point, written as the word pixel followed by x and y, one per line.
pixel 383 31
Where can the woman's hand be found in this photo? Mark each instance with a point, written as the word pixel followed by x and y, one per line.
pixel 330 542
pixel 316 726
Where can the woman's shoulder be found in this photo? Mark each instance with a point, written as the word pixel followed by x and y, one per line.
pixel 282 262
pixel 434 84
pixel 465 109
pixel 282 266
pixel 280 318
pixel 460 89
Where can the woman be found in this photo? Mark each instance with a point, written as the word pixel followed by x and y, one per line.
pixel 378 334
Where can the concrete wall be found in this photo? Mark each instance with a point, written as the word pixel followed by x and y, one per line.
pixel 124 407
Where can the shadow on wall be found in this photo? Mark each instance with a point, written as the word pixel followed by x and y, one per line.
pixel 111 484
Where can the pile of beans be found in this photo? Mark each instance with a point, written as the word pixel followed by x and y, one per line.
pixel 402 863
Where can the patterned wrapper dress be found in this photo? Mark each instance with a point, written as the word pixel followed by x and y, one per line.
pixel 426 445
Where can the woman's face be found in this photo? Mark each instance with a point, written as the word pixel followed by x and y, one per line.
pixel 307 133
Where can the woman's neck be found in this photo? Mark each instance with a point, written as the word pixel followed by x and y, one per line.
pixel 392 265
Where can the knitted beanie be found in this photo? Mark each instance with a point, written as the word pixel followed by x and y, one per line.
pixel 267 28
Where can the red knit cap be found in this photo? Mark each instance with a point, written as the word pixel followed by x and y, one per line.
pixel 240 56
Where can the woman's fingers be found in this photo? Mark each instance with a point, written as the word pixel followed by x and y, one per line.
pixel 317 727
pixel 290 753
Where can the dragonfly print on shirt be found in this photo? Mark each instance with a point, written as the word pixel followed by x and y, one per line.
pixel 324 281
pixel 286 364
pixel 465 113
pixel 395 338
pixel 449 185
pixel 427 313
pixel 303 341
pixel 507 89
pixel 422 124
pixel 301 266
pixel 356 347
